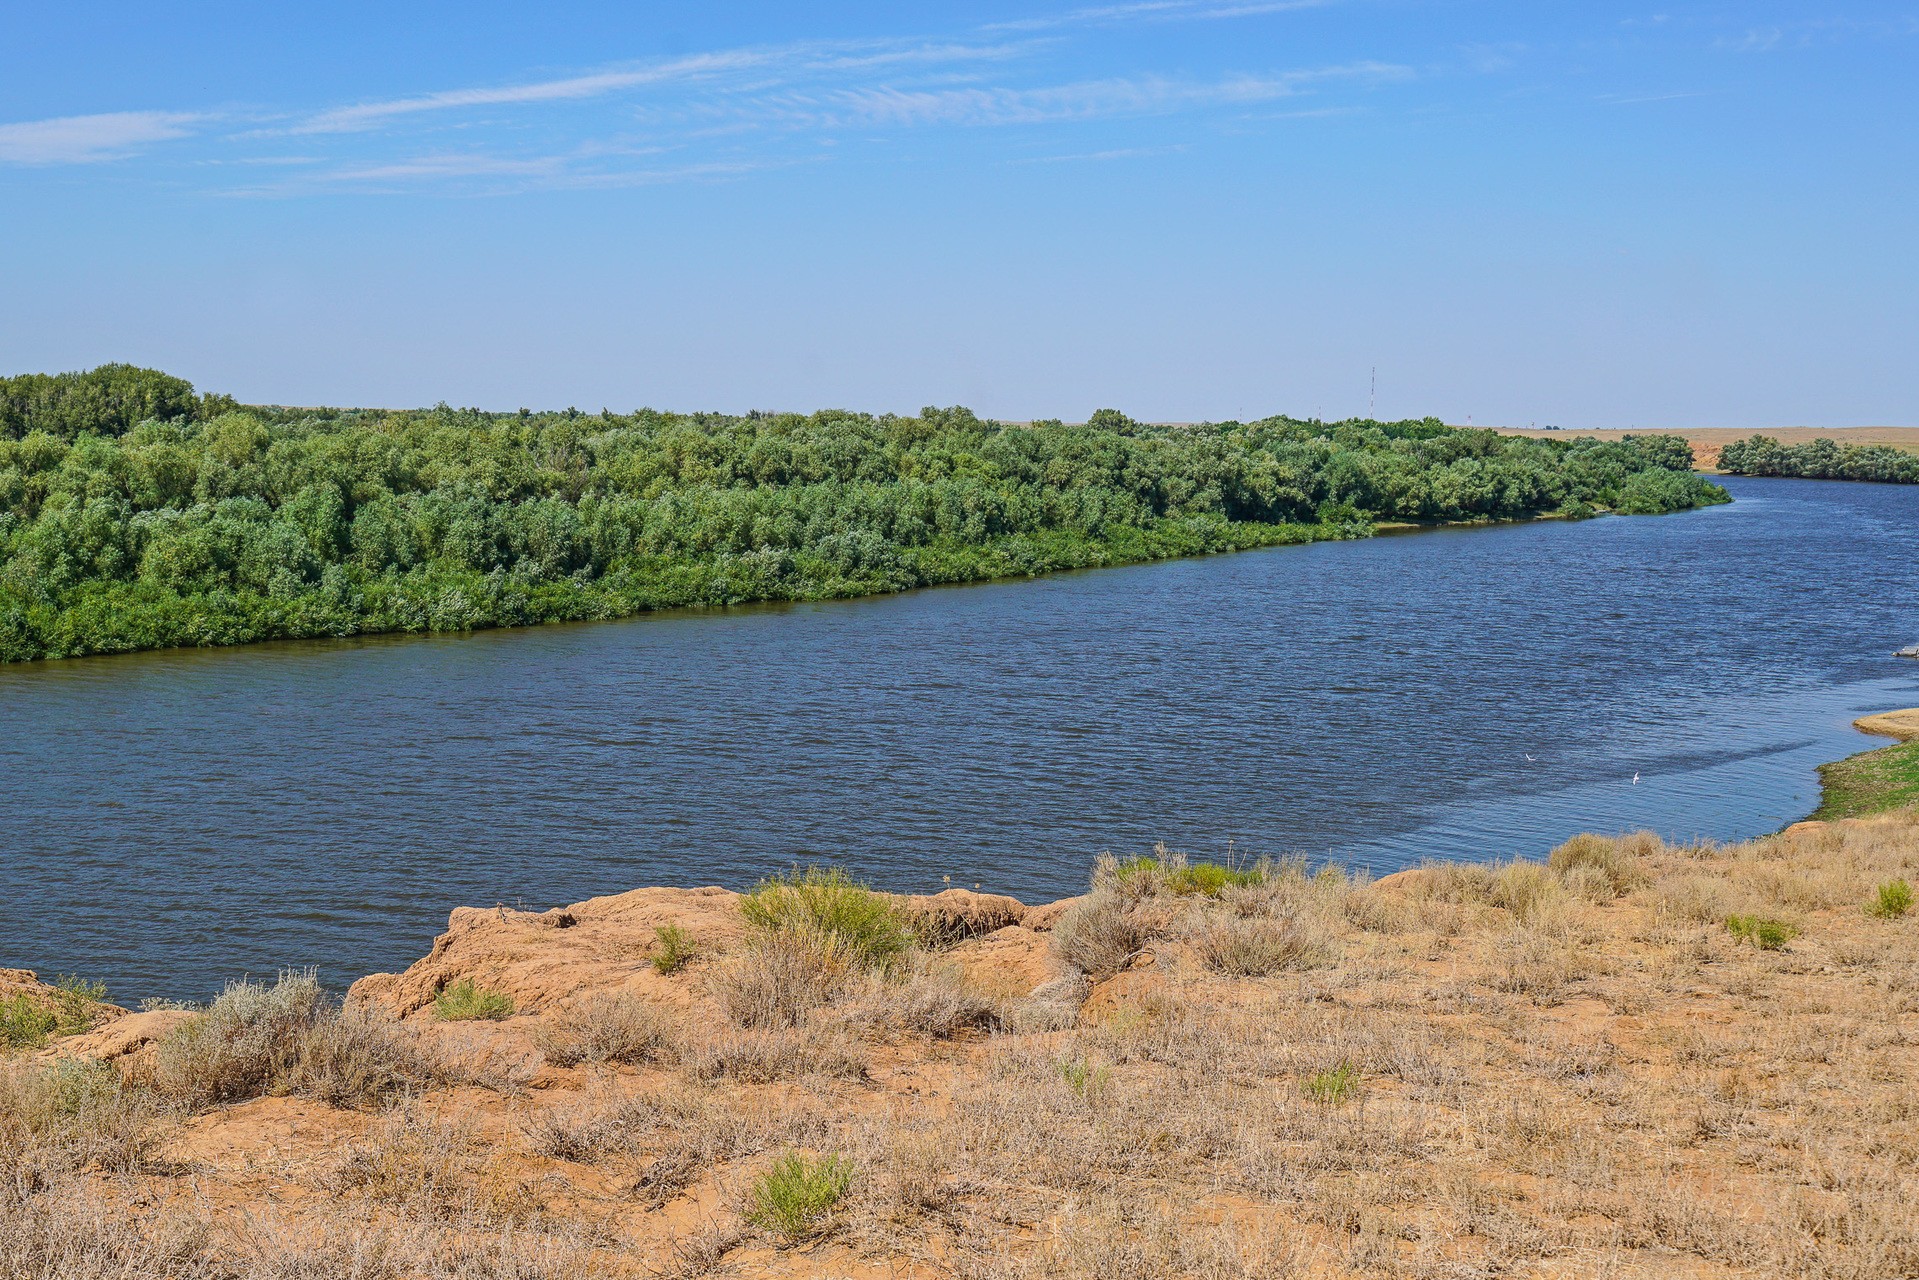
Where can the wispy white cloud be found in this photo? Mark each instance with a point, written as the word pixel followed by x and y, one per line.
pixel 368 115
pixel 810 57
pixel 448 166
pixel 86 139
pixel 1627 100
pixel 717 113
pixel 925 54
pixel 486 174
pixel 1154 11
pixel 1116 153
pixel 1082 101
pixel 1829 29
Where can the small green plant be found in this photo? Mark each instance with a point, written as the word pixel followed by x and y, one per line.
pixel 465 1001
pixel 1333 1085
pixel 25 1023
pixel 1189 879
pixel 1084 1078
pixel 797 1194
pixel 673 949
pixel 831 906
pixel 1893 899
pixel 76 1003
pixel 1762 931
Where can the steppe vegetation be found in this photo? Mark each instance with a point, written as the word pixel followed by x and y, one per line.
pixel 1566 1068
pixel 135 514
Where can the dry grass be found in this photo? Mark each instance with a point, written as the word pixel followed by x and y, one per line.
pixel 425 1166
pixel 925 998
pixel 66 1230
pixel 1558 1069
pixel 67 1117
pixel 289 1038
pixel 779 978
pixel 1101 935
pixel 605 1028
pixel 1259 947
pixel 783 1053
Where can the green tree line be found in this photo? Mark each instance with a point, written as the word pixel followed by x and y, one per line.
pixel 1820 460
pixel 135 514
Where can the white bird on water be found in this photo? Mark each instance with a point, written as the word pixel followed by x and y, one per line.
pixel 1635 779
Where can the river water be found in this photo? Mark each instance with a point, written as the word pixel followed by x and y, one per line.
pixel 172 820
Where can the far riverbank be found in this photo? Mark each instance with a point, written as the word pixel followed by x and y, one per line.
pixel 1708 441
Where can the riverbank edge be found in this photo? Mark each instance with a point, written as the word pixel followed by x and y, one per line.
pixel 592 603
pixel 1875 781
pixel 574 1113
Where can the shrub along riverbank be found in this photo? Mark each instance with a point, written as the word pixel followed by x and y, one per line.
pixel 137 514
pixel 1820 460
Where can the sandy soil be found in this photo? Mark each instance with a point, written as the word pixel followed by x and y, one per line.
pixel 1903 725
pixel 1457 1072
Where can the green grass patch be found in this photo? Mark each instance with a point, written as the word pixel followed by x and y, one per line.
pixel 76 1003
pixel 1762 931
pixel 1084 1078
pixel 28 1021
pixel 1892 900
pixel 25 1023
pixel 797 1194
pixel 1334 1085
pixel 1870 782
pixel 1191 878
pixel 465 1001
pixel 829 905
pixel 673 949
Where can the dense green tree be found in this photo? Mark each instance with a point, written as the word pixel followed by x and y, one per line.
pixel 202 522
pixel 1820 460
pixel 105 401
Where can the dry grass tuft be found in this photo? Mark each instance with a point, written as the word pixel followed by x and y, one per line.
pixel 1101 935
pixel 1117 1241
pixel 65 1230
pixel 66 1117
pixel 609 1027
pixel 764 1056
pixel 926 998
pixel 245 1042
pixel 586 1133
pixel 427 1167
pixel 1259 947
pixel 288 1038
pixel 779 978
pixel 1598 867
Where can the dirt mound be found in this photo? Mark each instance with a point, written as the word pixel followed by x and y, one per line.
pixel 607 945
pixel 957 914
pixel 540 959
pixel 121 1036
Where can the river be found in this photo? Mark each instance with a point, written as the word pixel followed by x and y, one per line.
pixel 172 820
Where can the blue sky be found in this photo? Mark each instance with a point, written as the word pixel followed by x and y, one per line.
pixel 1590 215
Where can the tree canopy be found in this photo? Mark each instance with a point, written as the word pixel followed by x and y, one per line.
pixel 1820 460
pixel 205 523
